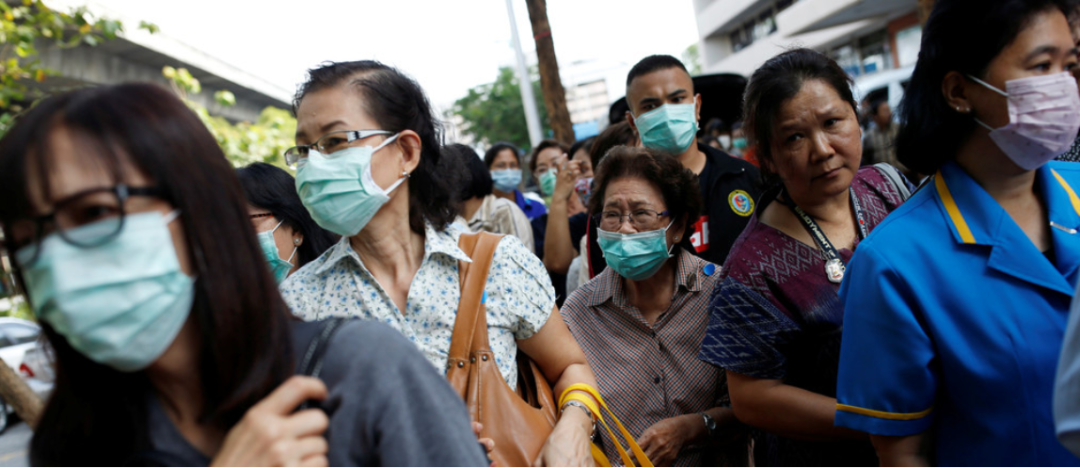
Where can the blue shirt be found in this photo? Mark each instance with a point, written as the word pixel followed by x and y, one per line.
pixel 954 320
pixel 531 207
pixel 1067 387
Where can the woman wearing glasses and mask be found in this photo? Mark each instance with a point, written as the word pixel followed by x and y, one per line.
pixel 288 236
pixel 776 319
pixel 173 347
pixel 370 170
pixel 956 306
pixel 640 321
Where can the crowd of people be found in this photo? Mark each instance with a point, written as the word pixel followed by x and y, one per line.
pixel 818 284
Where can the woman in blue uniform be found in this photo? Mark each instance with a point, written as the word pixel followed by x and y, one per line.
pixel 955 306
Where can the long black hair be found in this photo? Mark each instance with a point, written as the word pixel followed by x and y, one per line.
pixel 398 103
pixel 962 36
pixel 97 415
pixel 273 189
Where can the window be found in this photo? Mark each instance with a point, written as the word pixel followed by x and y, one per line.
pixel 759 27
pixel 848 58
pixel 874 50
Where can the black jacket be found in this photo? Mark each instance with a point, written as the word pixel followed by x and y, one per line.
pixel 730 188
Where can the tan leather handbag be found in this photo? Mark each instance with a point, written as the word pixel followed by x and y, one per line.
pixel 518 421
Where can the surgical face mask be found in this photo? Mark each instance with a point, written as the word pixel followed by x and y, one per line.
pixel 1044 116
pixel 120 304
pixel 669 128
pixel 547 181
pixel 279 267
pixel 635 256
pixel 739 143
pixel 506 180
pixel 338 189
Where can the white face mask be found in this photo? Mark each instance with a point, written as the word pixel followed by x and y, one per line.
pixel 1044 117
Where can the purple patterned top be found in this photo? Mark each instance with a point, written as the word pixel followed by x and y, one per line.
pixel 775 315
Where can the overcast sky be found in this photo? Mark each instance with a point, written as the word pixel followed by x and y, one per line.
pixel 447 45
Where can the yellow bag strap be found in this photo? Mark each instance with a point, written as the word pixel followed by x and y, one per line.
pixel 634 447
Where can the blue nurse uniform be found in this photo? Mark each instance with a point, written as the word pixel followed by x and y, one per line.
pixel 953 320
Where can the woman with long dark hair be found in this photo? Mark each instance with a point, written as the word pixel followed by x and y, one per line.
pixel 173 347
pixel 956 306
pixel 283 224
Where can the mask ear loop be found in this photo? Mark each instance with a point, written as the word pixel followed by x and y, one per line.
pixel 992 88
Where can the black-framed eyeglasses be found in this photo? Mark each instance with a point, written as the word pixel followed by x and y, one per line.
pixel 329 144
pixel 642 220
pixel 104 205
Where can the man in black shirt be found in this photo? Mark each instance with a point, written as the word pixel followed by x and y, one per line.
pixel 664 113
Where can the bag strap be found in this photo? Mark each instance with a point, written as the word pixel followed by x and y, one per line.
pixel 898 180
pixel 312 362
pixel 639 455
pixel 470 326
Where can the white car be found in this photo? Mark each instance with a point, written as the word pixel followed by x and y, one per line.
pixel 22 350
pixel 888 84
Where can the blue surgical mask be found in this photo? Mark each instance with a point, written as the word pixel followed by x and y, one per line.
pixel 635 256
pixel 739 143
pixel 669 128
pixel 279 267
pixel 547 181
pixel 506 180
pixel 338 189
pixel 120 304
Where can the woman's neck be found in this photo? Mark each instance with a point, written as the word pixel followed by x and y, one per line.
pixel 176 380
pixel 387 244
pixel 1006 182
pixel 653 295
pixel 507 195
pixel 469 207
pixel 835 209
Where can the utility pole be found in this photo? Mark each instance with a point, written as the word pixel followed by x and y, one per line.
pixel 550 82
pixel 532 115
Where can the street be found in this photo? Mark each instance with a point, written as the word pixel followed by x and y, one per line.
pixel 13 445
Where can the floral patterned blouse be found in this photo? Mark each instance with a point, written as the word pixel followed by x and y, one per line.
pixel 520 297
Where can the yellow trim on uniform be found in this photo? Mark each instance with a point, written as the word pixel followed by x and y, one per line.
pixel 954 211
pixel 1072 195
pixel 884 414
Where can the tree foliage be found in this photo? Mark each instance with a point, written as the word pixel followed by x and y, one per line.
pixel 691 57
pixel 494 112
pixel 264 140
pixel 25 26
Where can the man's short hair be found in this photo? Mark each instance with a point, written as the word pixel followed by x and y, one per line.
pixel 654 63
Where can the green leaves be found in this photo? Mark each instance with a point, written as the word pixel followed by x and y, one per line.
pixel 24 27
pixel 494 112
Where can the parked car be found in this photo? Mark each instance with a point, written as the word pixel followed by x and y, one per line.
pixel 22 350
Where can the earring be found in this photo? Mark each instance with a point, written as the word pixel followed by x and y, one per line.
pixel 296 242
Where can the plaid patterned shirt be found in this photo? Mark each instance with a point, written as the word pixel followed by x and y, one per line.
pixel 648 373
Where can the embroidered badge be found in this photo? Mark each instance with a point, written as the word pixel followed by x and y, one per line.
pixel 741 203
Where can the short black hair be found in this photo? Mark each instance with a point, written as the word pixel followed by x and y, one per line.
pixel 775 83
pixel 931 131
pixel 273 189
pixel 654 63
pixel 493 152
pixel 398 103
pixel 619 134
pixel 583 144
pixel 475 176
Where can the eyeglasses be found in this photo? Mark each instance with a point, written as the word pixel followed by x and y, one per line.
pixel 103 205
pixel 329 144
pixel 642 220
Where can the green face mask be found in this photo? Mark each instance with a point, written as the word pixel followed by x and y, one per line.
pixel 547 181
pixel 280 267
pixel 669 128
pixel 635 256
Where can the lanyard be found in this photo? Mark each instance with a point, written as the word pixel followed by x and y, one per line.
pixel 834 267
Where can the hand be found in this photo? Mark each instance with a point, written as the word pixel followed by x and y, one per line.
pixel 489 445
pixel 566 179
pixel 270 434
pixel 569 443
pixel 664 440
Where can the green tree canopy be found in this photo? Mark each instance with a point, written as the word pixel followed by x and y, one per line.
pixel 494 112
